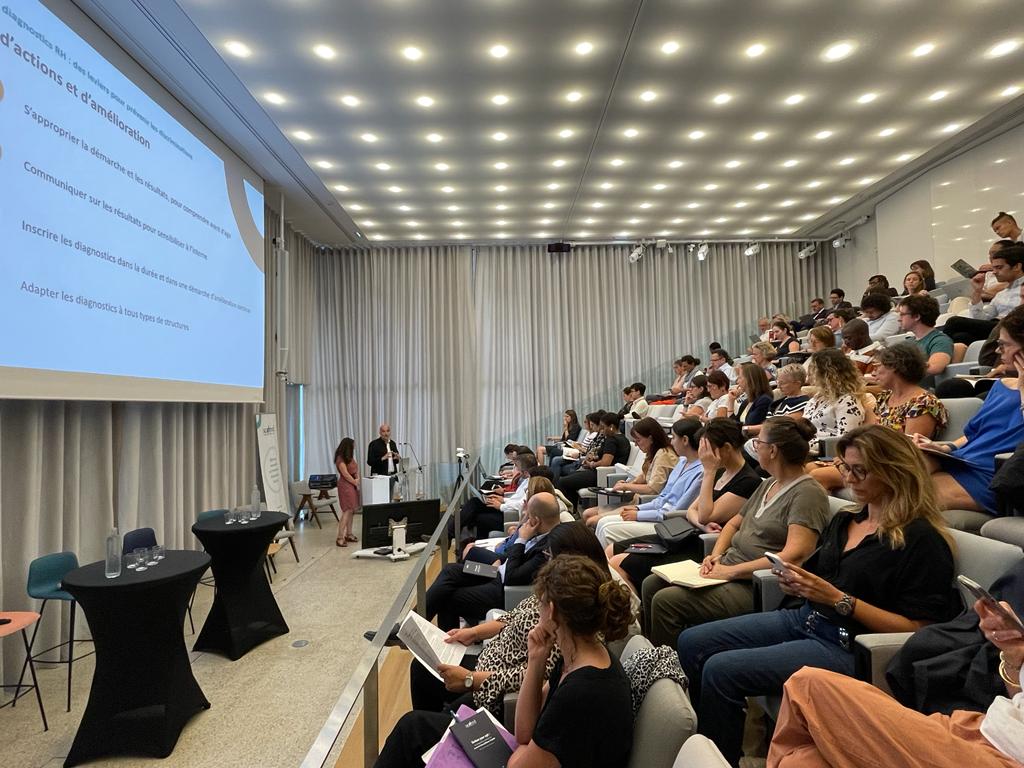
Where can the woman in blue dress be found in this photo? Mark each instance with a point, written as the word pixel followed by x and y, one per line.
pixel 962 476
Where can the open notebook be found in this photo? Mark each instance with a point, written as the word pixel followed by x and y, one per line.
pixel 685 573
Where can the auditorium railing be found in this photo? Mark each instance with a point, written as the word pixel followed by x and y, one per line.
pixel 362 686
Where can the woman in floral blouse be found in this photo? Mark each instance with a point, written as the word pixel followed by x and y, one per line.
pixel 841 401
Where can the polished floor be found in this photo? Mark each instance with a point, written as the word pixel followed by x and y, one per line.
pixel 266 708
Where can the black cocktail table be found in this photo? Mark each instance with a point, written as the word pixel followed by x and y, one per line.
pixel 143 691
pixel 244 612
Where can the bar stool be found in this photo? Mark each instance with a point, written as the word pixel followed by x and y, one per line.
pixel 45 575
pixel 19 622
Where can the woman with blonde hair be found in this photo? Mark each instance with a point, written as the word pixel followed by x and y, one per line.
pixel 841 401
pixel 885 568
pixel 762 353
pixel 820 337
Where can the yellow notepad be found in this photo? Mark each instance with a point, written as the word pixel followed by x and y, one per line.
pixel 685 573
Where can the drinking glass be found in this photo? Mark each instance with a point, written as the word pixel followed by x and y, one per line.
pixel 140 559
pixel 255 512
pixel 229 517
pixel 150 556
pixel 158 552
pixel 130 561
pixel 243 516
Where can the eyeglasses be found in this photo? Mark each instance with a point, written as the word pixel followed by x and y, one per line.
pixel 859 473
pixel 758 442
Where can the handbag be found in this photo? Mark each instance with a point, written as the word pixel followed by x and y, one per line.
pixel 675 531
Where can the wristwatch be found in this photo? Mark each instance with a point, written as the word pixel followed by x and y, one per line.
pixel 469 681
pixel 845 605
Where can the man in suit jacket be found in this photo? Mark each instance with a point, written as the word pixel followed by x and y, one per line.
pixel 382 454
pixel 454 593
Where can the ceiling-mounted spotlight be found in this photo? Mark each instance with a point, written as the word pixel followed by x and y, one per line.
pixel 691 248
pixel 752 249
pixel 702 251
pixel 842 240
pixel 636 254
pixel 806 253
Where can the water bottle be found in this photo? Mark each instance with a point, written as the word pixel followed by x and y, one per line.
pixel 254 501
pixel 113 566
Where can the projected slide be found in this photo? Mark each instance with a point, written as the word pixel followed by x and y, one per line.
pixel 131 248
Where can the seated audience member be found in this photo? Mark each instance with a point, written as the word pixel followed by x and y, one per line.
pixel 887 568
pixel 748 401
pixel 718 388
pixel 628 398
pixel 878 284
pixel 918 315
pixel 721 361
pixel 659 461
pixel 573 454
pixel 638 405
pixel 697 399
pixel 783 339
pixel 614 450
pixel 762 353
pixel 1006 228
pixel 500 667
pixel 837 298
pixel 841 402
pixel 792 378
pixel 913 284
pixel 883 322
pixel 680 490
pixel 902 405
pixel 818 312
pixel 685 369
pixel 818 338
pixel 924 269
pixel 1008 267
pixel 856 336
pixel 837 318
pixel 764 325
pixel 540 482
pixel 786 514
pixel 455 594
pixel 830 719
pixel 487 515
pixel 727 481
pixel 570 431
pixel 996 428
pixel 583 715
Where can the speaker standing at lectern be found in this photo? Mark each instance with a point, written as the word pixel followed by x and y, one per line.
pixel 382 454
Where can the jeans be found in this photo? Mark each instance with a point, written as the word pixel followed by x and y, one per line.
pixel 562 466
pixel 753 655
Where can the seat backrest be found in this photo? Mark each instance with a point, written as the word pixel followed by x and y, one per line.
pixel 983 560
pixel 46 573
pixel 210 513
pixel 961 410
pixel 636 459
pixel 835 504
pixel 958 305
pixel 974 351
pixel 140 538
pixel 700 752
pixel 940 297
pixel 898 338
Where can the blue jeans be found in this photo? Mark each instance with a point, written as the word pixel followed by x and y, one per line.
pixel 751 655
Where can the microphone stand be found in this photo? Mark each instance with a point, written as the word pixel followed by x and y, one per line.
pixel 418 470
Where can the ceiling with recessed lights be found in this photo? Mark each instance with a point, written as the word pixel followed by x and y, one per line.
pixel 484 120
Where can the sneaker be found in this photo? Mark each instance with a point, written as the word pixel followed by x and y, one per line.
pixel 391 642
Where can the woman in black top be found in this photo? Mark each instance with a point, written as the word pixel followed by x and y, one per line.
pixel 614 450
pixel 887 568
pixel 570 431
pixel 783 339
pixel 924 269
pixel 750 399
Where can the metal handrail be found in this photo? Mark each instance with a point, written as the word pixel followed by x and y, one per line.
pixel 364 677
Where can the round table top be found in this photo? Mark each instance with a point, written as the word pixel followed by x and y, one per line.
pixel 272 520
pixel 176 563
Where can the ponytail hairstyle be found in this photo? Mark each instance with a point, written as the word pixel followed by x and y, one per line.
pixel 791 436
pixel 585 599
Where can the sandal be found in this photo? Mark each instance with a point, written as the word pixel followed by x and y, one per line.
pixel 350 537
pixel 340 543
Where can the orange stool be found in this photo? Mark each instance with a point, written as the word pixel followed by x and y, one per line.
pixel 20 621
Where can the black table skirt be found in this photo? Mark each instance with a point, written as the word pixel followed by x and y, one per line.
pixel 143 691
pixel 244 612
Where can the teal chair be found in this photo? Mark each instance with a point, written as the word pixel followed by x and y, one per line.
pixel 45 575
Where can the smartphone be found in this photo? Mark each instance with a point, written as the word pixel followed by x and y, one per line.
pixel 980 593
pixel 964 268
pixel 778 567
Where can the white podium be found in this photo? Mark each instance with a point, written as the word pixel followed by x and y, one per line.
pixel 376 489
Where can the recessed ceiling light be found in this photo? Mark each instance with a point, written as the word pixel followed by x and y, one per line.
pixel 553 185
pixel 274 98
pixel 648 96
pixel 679 220
pixel 838 51
pixel 813 184
pixel 565 133
pixel 349 100
pixel 239 49
pixel 1010 90
pixel 847 161
pixel 501 188
pixel 691 206
pixel 597 205
pixel 658 187
pixel 324 51
pixel 412 53
pixel 722 98
pixel 419 236
pixel 498 51
pixel 558 163
pixel 710 187
pixel 425 101
pixel 548 205
pixel 324 164
pixel 762 186
pixel 822 135
pixel 340 188
pixel 645 206
pixel 695 135
pixel 447 190
pixel 631 133
pixel 835 200
pixel 794 99
pixel 923 50
pixel 755 50
pixel 721 220
pixel 669 47
pixel 734 164
pixel 606 185
pixel 441 166
pixel 369 138
pixel 938 95
pixel 544 235
pixel 501 165
pixel 676 164
pixel 866 181
pixel 573 96
pixel 1002 49
pixel 583 48
pixel 434 138
pixel 302 135
pixel 394 189
pixel 740 204
pixel 405 207
pixel 787 203
pixel 904 157
pixel 412 223
pixel 369 223
pixel 767 218
pixel 951 128
pixel 617 161
pixel 583 233
pixel 500 99
pixel 456 223
pixel 866 98
pixel 886 132
pixel 501 207
pixel 499 136
pixel 453 208
pixel 790 163
pixel 759 136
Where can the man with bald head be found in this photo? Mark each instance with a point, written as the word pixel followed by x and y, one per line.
pixel 382 454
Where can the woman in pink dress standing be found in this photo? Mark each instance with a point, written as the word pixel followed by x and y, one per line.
pixel 348 489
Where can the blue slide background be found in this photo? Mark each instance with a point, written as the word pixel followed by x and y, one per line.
pixel 222 344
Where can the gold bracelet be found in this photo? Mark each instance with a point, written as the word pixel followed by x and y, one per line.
pixel 1005 675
